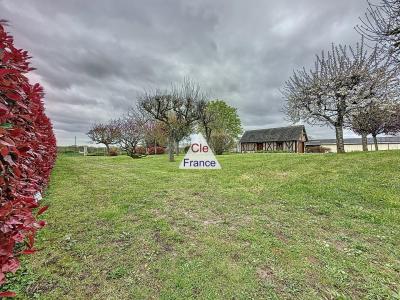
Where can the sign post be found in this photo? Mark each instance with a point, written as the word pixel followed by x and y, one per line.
pixel 199 155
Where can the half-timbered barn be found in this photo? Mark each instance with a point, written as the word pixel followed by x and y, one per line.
pixel 285 139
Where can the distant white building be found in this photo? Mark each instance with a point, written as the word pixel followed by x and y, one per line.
pixel 354 144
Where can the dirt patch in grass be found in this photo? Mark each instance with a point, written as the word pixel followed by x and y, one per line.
pixel 339 245
pixel 265 273
pixel 235 257
pixel 281 175
pixel 52 260
pixel 212 222
pixel 280 235
pixel 164 245
pixel 92 289
pixel 42 285
pixel 313 260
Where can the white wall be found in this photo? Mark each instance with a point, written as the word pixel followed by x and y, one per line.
pixel 371 147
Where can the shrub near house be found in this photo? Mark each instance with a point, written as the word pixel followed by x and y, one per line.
pixel 155 150
pixel 150 150
pixel 27 154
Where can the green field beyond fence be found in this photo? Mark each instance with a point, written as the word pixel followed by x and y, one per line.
pixel 78 150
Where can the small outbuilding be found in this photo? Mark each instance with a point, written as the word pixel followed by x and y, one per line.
pixel 285 139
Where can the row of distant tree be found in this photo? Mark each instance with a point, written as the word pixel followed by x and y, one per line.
pixel 167 117
pixel 354 87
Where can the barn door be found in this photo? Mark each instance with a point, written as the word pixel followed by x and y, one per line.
pixel 301 147
pixel 259 146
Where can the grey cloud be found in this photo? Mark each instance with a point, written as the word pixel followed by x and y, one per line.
pixel 93 58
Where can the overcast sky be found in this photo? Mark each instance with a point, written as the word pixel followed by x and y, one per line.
pixel 94 57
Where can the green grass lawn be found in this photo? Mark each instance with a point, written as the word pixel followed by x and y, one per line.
pixel 270 226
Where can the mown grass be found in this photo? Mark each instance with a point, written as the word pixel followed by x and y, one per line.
pixel 270 226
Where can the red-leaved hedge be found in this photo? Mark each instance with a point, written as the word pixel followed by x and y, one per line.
pixel 159 150
pixel 149 151
pixel 140 150
pixel 27 154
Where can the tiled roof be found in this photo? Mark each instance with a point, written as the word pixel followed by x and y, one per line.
pixel 291 133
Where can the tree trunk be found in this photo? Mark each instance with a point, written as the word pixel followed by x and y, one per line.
pixel 375 142
pixel 208 135
pixel 339 139
pixel 177 147
pixel 171 149
pixel 155 147
pixel 364 141
pixel 108 148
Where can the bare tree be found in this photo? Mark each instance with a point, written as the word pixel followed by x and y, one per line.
pixel 176 108
pixel 381 24
pixel 158 104
pixel 155 134
pixel 182 131
pixel 207 117
pixel 344 80
pixel 373 120
pixel 105 133
pixel 359 122
pixel 393 125
pixel 132 130
pixel 189 102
